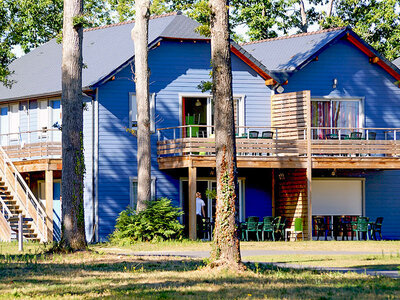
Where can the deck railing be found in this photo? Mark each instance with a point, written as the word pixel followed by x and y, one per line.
pixel 285 141
pixel 45 143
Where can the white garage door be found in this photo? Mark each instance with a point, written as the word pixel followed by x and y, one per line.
pixel 337 196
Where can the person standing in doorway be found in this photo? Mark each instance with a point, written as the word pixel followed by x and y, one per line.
pixel 200 214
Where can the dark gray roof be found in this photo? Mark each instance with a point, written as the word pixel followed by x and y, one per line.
pixel 105 49
pixel 284 54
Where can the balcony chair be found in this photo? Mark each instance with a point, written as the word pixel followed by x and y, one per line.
pixel 360 227
pixel 371 135
pixel 252 226
pixel 355 135
pixel 268 227
pixel 253 134
pixel 298 228
pixel 332 136
pixel 267 134
pixel 376 228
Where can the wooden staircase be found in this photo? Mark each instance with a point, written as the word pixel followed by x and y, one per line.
pixel 17 198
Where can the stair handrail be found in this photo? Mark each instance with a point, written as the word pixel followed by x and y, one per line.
pixel 30 196
pixel 5 208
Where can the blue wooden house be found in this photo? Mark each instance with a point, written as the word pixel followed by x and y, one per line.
pixel 299 102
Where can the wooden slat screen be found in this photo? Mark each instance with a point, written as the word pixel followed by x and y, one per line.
pixel 291 201
pixel 290 110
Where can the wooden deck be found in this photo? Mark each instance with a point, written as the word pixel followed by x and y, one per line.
pixel 283 153
pixel 34 151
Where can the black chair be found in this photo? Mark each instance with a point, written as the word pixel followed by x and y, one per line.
pixel 267 134
pixel 376 228
pixel 332 136
pixel 371 135
pixel 253 134
pixel 321 227
pixel 355 135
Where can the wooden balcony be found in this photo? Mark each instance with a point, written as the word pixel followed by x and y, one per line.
pixel 175 150
pixel 32 145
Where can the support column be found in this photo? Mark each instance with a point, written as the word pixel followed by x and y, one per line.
pixel 309 166
pixel 273 193
pixel 192 203
pixel 49 204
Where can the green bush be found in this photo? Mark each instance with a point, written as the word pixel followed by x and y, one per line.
pixel 159 221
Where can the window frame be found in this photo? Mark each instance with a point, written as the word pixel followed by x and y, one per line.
pixel 133 110
pixel 132 179
pixel 360 100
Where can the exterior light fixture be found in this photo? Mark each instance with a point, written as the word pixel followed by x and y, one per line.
pixel 281 176
pixel 198 103
pixel 333 172
pixel 334 85
pixel 280 89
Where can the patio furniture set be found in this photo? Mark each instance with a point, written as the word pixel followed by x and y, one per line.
pixel 360 227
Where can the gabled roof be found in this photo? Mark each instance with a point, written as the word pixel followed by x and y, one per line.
pixel 105 50
pixel 286 55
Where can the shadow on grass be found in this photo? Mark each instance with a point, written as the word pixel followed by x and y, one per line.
pixel 172 278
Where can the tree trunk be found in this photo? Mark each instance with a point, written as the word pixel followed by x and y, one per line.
pixel 330 8
pixel 227 249
pixel 304 25
pixel 73 169
pixel 140 37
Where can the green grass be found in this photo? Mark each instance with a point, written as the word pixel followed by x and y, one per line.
pixel 91 275
pixel 373 262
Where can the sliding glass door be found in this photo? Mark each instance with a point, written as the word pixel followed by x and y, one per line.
pixel 335 113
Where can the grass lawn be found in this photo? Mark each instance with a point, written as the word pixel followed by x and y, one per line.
pixel 92 275
pixel 385 247
pixel 373 262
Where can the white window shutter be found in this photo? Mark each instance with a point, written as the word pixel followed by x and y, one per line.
pixel 153 112
pixel 132 111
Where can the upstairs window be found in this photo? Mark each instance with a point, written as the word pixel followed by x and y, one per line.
pixel 335 113
pixel 133 111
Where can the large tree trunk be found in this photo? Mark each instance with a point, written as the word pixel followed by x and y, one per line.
pixel 73 221
pixel 140 37
pixel 227 249
pixel 304 23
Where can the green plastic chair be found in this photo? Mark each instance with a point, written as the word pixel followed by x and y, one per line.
pixel 268 227
pixel 361 226
pixel 298 227
pixel 252 226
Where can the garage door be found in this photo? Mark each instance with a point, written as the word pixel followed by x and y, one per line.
pixel 337 196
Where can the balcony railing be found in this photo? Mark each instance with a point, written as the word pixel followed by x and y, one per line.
pixel 199 140
pixel 45 143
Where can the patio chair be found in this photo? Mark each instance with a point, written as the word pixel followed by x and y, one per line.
pixel 253 134
pixel 252 226
pixel 376 228
pixel 355 135
pixel 321 228
pixel 276 224
pixel 371 135
pixel 298 228
pixel 361 226
pixel 332 136
pixel 267 134
pixel 268 227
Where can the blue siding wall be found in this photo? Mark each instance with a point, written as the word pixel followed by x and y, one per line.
pixel 358 78
pixel 176 69
pixel 258 192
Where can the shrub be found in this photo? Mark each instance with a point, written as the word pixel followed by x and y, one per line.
pixel 159 221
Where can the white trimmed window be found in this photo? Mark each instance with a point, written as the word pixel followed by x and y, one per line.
pixel 133 191
pixel 133 111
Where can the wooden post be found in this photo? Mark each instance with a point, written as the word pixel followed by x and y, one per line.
pixel 49 204
pixel 20 233
pixel 309 166
pixel 192 203
pixel 273 193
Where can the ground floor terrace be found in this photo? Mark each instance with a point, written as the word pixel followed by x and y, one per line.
pixel 329 177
